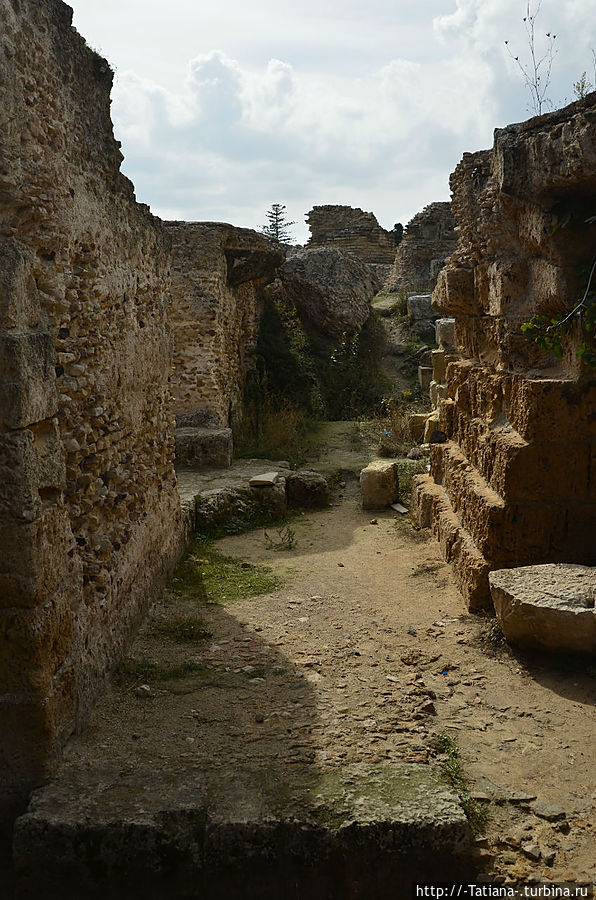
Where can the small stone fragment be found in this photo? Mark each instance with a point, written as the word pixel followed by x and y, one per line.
pixel 546 811
pixel 532 851
pixel 267 478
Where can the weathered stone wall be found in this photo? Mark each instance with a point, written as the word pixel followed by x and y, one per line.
pixel 429 238
pixel 218 272
pixel 514 483
pixel 353 231
pixel 90 521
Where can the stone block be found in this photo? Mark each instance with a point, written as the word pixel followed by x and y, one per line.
pixel 31 468
pixel 445 332
pixel 271 499
pixel 379 482
pixel 264 480
pixel 33 645
pixel 454 293
pixel 439 365
pixel 437 392
pixel 499 342
pixel 416 424
pixel 33 727
pixel 440 361
pixel 432 509
pixel 18 292
pixel 431 424
pixel 506 292
pixel 549 606
pixel 230 506
pixel 425 375
pixel 433 392
pixel 204 447
pixel 28 385
pixel 307 490
pixel 36 558
pixel 419 307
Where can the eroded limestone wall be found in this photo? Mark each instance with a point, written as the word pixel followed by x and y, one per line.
pixel 218 272
pixel 515 483
pixel 429 238
pixel 90 521
pixel 353 231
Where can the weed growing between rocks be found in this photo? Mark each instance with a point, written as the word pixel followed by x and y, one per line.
pixel 390 431
pixel 407 469
pixel 492 635
pixel 447 754
pixel 286 539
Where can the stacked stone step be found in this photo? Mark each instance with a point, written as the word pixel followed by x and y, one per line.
pixel 513 483
pixel 446 353
pixel 432 373
pixel 421 315
pixel 493 483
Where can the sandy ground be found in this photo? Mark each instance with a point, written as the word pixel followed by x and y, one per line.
pixel 363 655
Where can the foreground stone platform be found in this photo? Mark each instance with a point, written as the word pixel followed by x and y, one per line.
pixel 239 831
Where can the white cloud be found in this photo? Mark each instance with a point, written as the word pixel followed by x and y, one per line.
pixel 329 103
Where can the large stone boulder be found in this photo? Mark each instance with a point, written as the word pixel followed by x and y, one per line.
pixel 549 606
pixel 379 482
pixel 332 290
pixel 307 490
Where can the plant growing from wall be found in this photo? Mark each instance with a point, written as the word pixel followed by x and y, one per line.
pixel 582 87
pixel 536 71
pixel 550 332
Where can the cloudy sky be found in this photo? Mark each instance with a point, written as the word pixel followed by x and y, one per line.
pixel 225 108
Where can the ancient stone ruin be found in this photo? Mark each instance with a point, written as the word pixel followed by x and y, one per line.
pixel 98 299
pixel 514 483
pixel 353 231
pixel 89 514
pixel 218 272
pixel 429 238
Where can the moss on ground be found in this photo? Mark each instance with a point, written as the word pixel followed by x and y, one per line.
pixel 184 630
pixel 206 575
pixel 146 670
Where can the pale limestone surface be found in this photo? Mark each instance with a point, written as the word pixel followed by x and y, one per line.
pixel 549 606
pixel 379 483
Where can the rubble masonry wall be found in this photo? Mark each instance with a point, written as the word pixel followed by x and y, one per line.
pixel 90 521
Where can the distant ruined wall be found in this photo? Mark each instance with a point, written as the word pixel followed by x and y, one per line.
pixel 353 231
pixel 90 521
pixel 429 238
pixel 515 483
pixel 218 272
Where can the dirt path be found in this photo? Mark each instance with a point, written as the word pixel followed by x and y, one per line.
pixel 373 616
pixel 363 655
